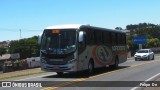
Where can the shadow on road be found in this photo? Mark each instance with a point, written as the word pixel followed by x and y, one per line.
pixel 144 60
pixel 84 74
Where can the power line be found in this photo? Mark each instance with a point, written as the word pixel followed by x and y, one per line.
pixel 5 29
pixel 16 30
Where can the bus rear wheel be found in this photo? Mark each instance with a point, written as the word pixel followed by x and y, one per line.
pixel 59 73
pixel 115 65
pixel 153 57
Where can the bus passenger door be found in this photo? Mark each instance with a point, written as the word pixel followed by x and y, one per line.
pixel 82 51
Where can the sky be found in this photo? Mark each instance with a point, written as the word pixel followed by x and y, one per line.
pixel 26 18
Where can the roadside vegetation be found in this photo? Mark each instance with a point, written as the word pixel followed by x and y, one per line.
pixel 151 31
pixel 29 47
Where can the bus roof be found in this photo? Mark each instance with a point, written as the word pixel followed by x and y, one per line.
pixel 66 26
pixel 77 26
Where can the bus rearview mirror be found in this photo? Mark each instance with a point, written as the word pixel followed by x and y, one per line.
pixel 39 38
pixel 81 36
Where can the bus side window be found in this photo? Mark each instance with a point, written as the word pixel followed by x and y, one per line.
pixel 87 37
pixel 102 37
pixel 90 36
pixel 98 36
pixel 119 38
pixel 95 37
pixel 116 41
pixel 113 35
pixel 124 39
pixel 107 38
pixel 110 38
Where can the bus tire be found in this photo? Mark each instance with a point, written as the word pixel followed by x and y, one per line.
pixel 115 65
pixel 153 57
pixel 136 59
pixel 59 73
pixel 148 58
pixel 90 67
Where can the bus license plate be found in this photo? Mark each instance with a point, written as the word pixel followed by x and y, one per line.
pixel 56 67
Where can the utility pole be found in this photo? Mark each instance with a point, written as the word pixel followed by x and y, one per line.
pixel 20 33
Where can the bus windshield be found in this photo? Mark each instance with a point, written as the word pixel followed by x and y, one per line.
pixel 58 42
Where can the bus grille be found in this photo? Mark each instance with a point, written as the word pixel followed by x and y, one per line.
pixel 57 62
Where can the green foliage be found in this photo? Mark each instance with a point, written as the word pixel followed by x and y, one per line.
pixel 2 51
pixel 151 31
pixel 26 47
pixel 118 28
pixel 153 42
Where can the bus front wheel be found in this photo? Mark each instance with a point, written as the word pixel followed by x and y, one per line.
pixel 59 73
pixel 90 67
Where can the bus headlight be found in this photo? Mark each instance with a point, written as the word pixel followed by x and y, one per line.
pixel 69 57
pixel 71 61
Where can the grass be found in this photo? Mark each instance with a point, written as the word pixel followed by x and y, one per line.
pixel 14 76
pixel 157 54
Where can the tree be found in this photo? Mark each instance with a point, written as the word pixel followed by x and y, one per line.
pixel 118 28
pixel 154 42
pixel 2 51
pixel 26 47
pixel 151 31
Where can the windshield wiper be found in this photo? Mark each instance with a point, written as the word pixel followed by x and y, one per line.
pixel 44 51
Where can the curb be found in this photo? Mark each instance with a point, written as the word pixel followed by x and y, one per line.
pixel 130 58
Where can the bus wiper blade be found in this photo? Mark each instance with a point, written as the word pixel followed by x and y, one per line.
pixel 44 51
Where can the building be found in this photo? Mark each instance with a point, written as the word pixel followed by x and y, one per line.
pixel 4 44
pixel 8 58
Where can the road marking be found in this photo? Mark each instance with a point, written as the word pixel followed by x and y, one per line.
pixel 142 63
pixel 83 79
pixel 153 77
pixel 122 69
pixel 35 77
pixel 150 79
pixel 130 60
pixel 64 84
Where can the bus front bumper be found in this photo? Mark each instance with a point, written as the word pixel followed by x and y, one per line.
pixel 59 68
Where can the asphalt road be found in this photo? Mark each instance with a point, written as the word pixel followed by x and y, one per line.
pixel 126 74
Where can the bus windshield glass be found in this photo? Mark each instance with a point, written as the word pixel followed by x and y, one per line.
pixel 58 41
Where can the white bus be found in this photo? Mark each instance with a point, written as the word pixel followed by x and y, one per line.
pixel 72 48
